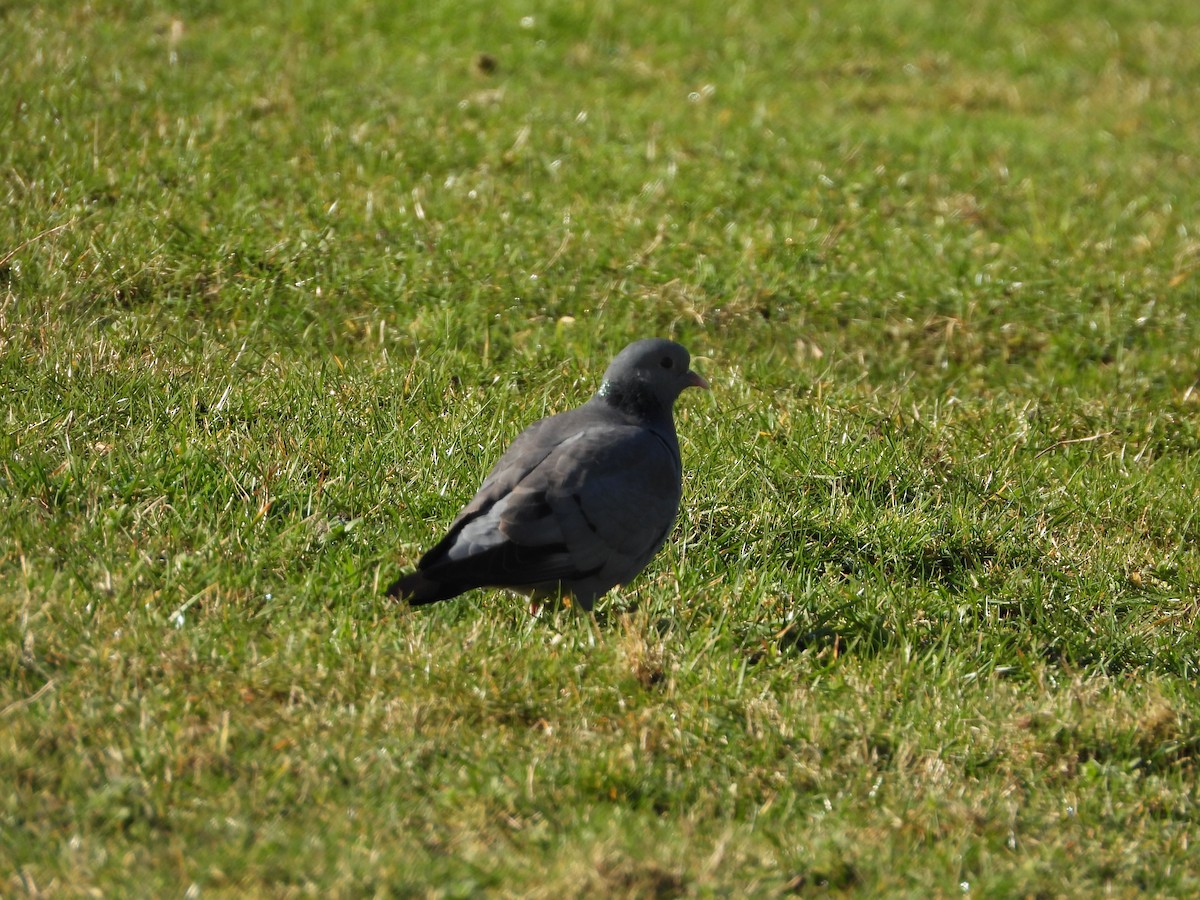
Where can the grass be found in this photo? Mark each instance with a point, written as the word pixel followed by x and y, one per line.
pixel 278 285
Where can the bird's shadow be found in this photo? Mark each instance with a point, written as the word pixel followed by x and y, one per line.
pixel 831 633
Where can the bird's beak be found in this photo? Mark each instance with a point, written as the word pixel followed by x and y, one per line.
pixel 695 379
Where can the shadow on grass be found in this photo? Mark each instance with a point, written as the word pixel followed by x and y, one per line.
pixel 833 633
pixel 953 562
pixel 841 876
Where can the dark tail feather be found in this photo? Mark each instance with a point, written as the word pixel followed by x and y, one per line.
pixel 418 589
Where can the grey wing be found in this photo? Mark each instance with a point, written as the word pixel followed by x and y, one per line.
pixel 527 451
pixel 475 531
pixel 606 498
pixel 587 515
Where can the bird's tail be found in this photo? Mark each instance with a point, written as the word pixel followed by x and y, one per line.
pixel 418 589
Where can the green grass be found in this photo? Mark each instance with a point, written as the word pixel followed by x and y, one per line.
pixel 278 285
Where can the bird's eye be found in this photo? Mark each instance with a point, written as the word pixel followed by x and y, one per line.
pixel 667 362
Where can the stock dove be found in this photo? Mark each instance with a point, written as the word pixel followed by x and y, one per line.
pixel 581 501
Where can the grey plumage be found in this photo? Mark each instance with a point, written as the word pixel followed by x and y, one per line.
pixel 581 501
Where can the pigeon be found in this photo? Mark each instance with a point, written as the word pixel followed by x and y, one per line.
pixel 581 501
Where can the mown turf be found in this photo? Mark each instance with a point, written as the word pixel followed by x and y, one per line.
pixel 278 285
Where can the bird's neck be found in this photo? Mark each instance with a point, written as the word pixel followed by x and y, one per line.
pixel 634 399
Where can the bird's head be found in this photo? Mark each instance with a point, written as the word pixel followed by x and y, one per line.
pixel 648 376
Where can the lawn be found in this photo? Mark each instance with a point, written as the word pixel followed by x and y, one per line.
pixel 279 282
